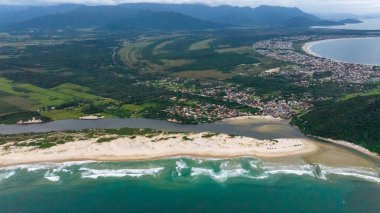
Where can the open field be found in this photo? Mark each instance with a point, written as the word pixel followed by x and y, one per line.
pixel 131 53
pixel 200 45
pixel 18 97
pixel 204 74
pixel 372 92
pixel 63 114
pixel 39 97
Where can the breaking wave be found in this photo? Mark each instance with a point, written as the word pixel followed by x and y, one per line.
pixel 6 175
pixel 52 176
pixel 220 176
pixel 187 169
pixel 95 173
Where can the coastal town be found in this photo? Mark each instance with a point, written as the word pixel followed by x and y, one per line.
pixel 283 49
pixel 228 93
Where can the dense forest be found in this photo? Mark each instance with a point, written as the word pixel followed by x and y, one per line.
pixel 356 120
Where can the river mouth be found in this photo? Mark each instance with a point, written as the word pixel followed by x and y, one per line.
pixel 363 51
pixel 259 127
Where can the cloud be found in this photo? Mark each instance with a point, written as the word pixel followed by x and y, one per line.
pixel 319 6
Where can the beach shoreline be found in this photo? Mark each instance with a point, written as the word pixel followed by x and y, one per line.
pixel 307 48
pixel 169 145
pixel 157 147
pixel 349 145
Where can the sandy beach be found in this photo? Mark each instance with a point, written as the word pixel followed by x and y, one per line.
pixel 350 145
pixel 306 47
pixel 163 145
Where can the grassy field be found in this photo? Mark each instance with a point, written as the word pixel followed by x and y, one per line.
pixel 63 114
pixel 131 53
pixel 37 97
pixel 238 50
pixel 200 45
pixel 137 108
pixel 75 90
pixel 159 49
pixel 204 74
pixel 16 97
pixel 373 92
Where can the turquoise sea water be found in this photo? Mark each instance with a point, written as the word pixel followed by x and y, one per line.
pixel 188 185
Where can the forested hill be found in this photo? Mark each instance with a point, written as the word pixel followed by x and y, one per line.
pixel 159 21
pixel 356 120
pixel 136 16
pixel 114 18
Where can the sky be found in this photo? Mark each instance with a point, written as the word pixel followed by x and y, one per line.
pixel 314 6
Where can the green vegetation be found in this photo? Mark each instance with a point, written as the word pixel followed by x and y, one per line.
pixel 185 138
pixel 143 74
pixel 204 44
pixel 15 117
pixel 372 92
pixel 107 139
pixel 356 120
pixel 47 140
pixel 209 135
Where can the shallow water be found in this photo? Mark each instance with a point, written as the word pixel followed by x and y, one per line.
pixel 188 185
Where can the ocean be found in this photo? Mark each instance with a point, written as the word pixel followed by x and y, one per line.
pixel 351 50
pixel 188 185
pixel 367 24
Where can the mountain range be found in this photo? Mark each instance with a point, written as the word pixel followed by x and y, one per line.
pixel 152 16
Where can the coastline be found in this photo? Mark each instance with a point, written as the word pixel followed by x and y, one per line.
pixel 219 145
pixel 307 48
pixel 349 145
pixel 160 146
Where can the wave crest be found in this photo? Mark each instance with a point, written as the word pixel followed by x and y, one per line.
pixel 95 173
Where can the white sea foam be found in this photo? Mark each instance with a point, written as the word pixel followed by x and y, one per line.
pixel 360 173
pixel 95 173
pixel 221 176
pixel 6 175
pixel 52 176
pixel 253 163
pixel 324 171
pixel 290 170
pixel 180 165
pixel 29 167
pixel 45 166
pixel 226 165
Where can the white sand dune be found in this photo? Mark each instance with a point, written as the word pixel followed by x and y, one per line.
pixel 164 145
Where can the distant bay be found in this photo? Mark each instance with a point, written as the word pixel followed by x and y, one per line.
pixel 364 51
pixel 367 24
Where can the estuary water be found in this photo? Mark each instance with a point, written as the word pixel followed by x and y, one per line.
pixel 257 127
pixel 350 50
